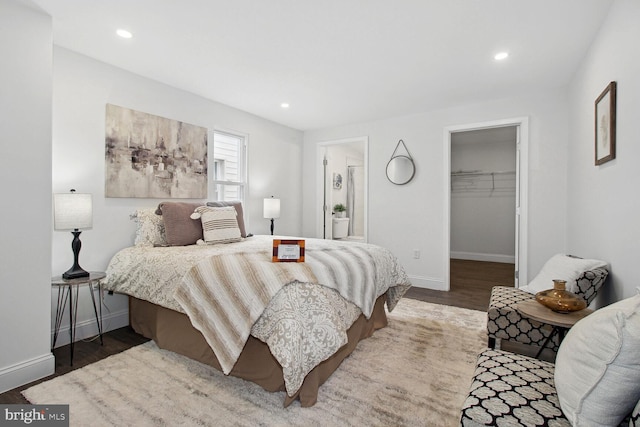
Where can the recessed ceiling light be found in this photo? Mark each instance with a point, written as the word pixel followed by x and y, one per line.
pixel 124 33
pixel 284 105
pixel 500 56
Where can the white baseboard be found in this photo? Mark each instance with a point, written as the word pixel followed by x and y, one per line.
pixel 26 371
pixel 39 367
pixel 88 328
pixel 427 283
pixel 475 256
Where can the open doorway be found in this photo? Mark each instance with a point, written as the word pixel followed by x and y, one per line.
pixel 343 189
pixel 486 194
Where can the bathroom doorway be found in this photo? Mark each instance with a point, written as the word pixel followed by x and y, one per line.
pixel 343 192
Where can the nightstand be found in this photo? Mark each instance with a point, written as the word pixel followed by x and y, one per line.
pixel 68 290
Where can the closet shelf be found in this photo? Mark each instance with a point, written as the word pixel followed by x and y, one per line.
pixel 481 173
pixel 483 181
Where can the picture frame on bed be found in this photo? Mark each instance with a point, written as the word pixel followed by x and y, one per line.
pixel 605 125
pixel 288 250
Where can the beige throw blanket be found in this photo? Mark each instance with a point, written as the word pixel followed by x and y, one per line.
pixel 225 294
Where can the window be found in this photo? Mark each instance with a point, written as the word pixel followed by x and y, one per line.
pixel 229 166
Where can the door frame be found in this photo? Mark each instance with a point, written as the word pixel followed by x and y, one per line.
pixel 322 183
pixel 522 191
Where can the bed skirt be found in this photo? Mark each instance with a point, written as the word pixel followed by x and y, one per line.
pixel 173 331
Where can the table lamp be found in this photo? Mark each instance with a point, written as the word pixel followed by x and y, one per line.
pixel 271 210
pixel 73 211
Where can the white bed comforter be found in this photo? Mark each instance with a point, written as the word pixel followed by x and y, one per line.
pixel 303 324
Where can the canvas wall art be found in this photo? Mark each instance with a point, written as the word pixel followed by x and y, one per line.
pixel 605 125
pixel 148 156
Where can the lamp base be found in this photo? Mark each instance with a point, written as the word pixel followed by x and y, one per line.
pixel 75 272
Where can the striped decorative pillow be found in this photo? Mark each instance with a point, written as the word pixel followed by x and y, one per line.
pixel 219 225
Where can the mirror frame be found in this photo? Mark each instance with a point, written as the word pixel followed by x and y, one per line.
pixel 404 158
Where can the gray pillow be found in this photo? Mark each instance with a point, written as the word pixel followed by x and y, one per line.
pixel 180 229
pixel 597 373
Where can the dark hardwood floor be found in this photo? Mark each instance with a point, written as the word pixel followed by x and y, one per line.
pixel 471 283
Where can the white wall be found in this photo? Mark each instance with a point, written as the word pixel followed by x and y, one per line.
pixel 25 234
pixel 483 207
pixel 408 217
pixel 82 88
pixel 603 202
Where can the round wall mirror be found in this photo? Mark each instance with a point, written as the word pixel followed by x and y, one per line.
pixel 400 170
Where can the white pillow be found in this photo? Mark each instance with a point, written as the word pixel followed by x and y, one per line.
pixel 562 267
pixel 597 372
pixel 150 228
pixel 219 225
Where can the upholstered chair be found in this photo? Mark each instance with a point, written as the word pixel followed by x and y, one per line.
pixel 504 322
pixel 595 380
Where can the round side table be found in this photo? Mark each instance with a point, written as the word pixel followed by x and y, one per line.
pixel 68 290
pixel 561 322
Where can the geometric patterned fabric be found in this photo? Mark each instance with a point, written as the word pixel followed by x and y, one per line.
pixel 512 390
pixel 505 322
pixel 515 390
pixel 634 419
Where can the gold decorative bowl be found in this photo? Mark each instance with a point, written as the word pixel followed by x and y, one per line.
pixel 559 299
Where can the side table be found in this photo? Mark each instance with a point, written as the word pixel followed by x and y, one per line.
pixel 561 322
pixel 66 290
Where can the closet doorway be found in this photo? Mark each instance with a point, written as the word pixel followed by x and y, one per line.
pixel 486 190
pixel 343 166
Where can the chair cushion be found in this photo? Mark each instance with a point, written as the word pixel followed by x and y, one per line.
pixel 598 369
pixel 564 267
pixel 512 390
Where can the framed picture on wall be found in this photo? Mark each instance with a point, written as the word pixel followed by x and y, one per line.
pixel 605 125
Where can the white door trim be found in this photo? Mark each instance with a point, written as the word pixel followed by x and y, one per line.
pixel 320 154
pixel 522 179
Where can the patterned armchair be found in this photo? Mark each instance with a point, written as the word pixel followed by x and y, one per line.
pixel 505 322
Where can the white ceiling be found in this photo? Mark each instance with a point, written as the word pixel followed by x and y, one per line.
pixel 336 61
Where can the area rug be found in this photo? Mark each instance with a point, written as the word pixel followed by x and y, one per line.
pixel 414 372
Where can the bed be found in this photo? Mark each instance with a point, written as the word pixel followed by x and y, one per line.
pixel 284 326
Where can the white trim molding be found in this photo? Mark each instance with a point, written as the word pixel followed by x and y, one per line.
pixel 522 178
pixel 26 371
pixel 474 256
pixel 87 329
pixel 427 282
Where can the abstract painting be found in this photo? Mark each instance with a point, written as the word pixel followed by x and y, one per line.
pixel 149 156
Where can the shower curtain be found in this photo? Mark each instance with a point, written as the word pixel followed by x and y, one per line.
pixel 355 206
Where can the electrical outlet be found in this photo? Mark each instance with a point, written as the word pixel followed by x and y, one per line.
pixel 416 253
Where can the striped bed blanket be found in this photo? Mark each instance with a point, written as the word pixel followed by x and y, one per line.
pixel 225 294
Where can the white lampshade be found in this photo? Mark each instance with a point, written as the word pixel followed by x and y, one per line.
pixel 72 211
pixel 271 208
